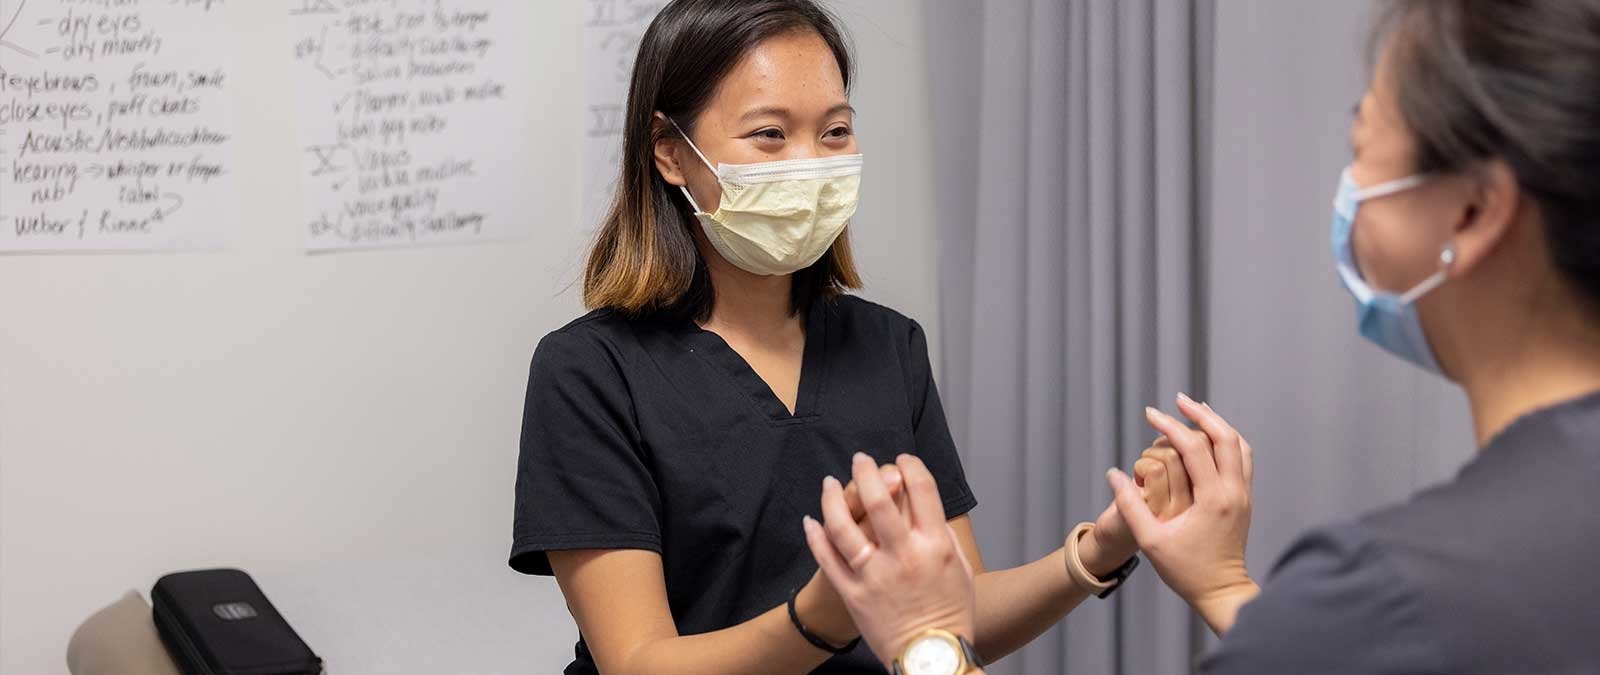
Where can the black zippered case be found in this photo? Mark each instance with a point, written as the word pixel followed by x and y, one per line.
pixel 217 622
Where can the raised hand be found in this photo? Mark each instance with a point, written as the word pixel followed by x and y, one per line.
pixel 818 602
pixel 1199 553
pixel 1164 486
pixel 912 576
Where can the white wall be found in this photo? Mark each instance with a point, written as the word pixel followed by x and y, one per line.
pixel 286 413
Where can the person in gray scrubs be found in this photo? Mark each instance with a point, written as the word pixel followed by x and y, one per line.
pixel 1467 228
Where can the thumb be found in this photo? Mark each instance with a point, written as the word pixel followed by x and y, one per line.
pixel 1140 520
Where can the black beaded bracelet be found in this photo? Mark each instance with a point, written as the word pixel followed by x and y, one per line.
pixel 819 643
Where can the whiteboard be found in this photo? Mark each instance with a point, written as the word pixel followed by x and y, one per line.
pixel 402 110
pixel 116 126
pixel 117 117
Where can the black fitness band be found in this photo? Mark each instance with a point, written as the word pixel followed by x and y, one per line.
pixel 1118 576
pixel 819 643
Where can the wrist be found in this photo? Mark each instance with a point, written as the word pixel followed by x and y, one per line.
pixel 961 629
pixel 1219 606
pixel 1101 559
pixel 823 614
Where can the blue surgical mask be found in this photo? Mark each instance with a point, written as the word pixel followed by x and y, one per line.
pixel 1388 319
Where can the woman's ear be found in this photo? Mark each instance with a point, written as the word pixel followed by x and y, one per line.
pixel 665 148
pixel 1493 211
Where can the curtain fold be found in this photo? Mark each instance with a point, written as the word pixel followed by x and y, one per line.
pixel 1070 164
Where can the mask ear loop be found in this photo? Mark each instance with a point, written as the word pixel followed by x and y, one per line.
pixel 1447 259
pixel 1385 189
pixel 701 155
pixel 691 144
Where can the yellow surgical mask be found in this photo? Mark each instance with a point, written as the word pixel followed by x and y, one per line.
pixel 779 217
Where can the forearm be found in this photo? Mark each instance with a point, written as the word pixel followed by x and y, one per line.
pixel 1017 605
pixel 769 643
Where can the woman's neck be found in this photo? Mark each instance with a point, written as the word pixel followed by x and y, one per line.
pixel 1550 356
pixel 747 304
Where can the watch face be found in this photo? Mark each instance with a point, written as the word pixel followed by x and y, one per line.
pixel 932 655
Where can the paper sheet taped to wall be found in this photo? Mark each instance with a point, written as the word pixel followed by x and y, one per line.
pixel 115 128
pixel 411 117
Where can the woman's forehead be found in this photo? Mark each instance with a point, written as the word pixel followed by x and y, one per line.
pixel 784 71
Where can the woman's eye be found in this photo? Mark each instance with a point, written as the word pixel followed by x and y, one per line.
pixel 769 134
pixel 839 132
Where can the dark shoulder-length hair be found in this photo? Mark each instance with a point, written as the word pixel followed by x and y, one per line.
pixel 644 262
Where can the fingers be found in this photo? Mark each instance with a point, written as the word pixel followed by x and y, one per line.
pixel 1193 446
pixel 1225 440
pixel 885 517
pixel 842 529
pixel 1131 504
pixel 927 510
pixel 852 494
pixel 1174 478
pixel 852 498
pixel 1151 474
pixel 892 477
pixel 1141 467
pixel 902 501
pixel 833 565
pixel 894 480
pixel 1249 462
pixel 1178 486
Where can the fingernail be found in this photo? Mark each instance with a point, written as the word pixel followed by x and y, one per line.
pixel 808 522
pixel 830 480
pixel 860 456
pixel 1184 398
pixel 1151 412
pixel 1116 475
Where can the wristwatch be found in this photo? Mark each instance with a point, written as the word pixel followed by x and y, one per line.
pixel 937 652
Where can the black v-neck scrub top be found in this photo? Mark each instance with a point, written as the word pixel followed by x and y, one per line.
pixel 652 435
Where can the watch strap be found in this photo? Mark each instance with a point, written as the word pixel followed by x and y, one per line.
pixel 971 653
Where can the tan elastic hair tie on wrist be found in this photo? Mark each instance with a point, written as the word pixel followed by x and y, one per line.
pixel 1075 569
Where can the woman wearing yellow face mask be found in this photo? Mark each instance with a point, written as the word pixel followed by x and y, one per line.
pixel 675 436
pixel 1467 229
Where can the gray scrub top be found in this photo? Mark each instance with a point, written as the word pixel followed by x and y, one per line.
pixel 1497 571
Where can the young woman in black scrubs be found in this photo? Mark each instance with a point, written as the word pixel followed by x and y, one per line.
pixel 675 436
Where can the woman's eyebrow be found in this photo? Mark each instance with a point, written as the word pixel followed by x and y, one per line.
pixel 780 111
pixel 763 111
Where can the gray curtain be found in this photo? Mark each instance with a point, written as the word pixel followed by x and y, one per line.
pixel 1070 163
